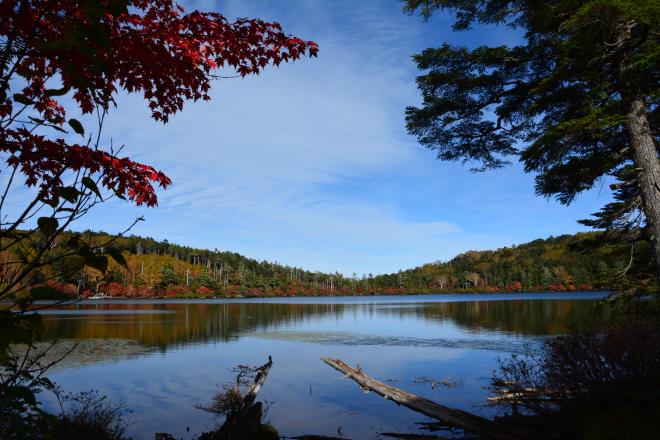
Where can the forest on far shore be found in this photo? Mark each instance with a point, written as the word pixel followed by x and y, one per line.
pixel 580 262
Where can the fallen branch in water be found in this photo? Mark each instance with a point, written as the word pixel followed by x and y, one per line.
pixel 257 384
pixel 314 437
pixel 513 392
pixel 243 415
pixel 478 425
pixel 409 436
pixel 522 395
pixel 434 382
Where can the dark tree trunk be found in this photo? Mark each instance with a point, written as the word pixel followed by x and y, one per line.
pixel 642 144
pixel 645 155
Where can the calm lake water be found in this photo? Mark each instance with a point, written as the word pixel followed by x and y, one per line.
pixel 163 357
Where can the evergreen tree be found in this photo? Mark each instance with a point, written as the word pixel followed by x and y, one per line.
pixel 206 279
pixel 578 100
pixel 168 277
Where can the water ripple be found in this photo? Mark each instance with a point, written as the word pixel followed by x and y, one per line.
pixel 529 345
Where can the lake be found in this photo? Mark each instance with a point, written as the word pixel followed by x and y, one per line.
pixel 163 357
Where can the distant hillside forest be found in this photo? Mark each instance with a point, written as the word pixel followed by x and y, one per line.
pixel 585 261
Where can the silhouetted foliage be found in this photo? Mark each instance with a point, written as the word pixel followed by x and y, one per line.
pixel 581 379
pixel 575 101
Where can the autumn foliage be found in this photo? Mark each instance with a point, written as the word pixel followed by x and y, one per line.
pixel 90 50
pixel 64 58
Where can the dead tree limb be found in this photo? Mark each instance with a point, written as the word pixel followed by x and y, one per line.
pixel 259 380
pixel 478 425
pixel 244 422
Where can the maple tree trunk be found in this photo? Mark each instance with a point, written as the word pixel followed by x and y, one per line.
pixel 648 170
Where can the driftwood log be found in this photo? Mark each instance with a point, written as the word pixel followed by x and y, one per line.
pixel 478 425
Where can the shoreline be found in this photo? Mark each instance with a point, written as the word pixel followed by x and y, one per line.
pixel 447 296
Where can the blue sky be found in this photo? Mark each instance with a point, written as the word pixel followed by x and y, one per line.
pixel 310 165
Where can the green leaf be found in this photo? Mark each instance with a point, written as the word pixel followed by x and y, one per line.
pixel 47 225
pixel 68 193
pixel 85 251
pixel 98 262
pixel 73 241
pixel 46 292
pixel 46 123
pixel 91 185
pixel 52 202
pixel 23 393
pixel 116 255
pixel 75 263
pixel 22 99
pixel 47 383
pixel 77 126
pixel 58 92
pixel 22 256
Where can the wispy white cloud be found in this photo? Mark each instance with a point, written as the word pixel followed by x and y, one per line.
pixel 309 164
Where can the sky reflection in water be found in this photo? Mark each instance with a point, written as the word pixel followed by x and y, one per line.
pixel 161 358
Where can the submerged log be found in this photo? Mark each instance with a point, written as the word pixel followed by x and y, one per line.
pixel 409 436
pixel 315 437
pixel 518 394
pixel 469 422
